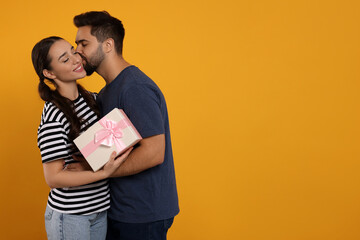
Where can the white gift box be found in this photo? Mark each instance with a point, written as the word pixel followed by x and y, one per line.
pixel 114 132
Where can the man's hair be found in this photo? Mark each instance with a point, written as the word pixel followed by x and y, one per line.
pixel 103 26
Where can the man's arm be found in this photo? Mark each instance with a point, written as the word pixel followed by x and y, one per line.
pixel 148 154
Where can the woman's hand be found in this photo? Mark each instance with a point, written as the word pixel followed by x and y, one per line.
pixel 113 164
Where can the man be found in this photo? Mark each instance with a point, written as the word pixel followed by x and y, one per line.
pixel 143 190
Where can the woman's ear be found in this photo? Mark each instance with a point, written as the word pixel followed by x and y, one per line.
pixel 108 45
pixel 49 74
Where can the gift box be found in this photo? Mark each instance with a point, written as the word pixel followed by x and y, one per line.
pixel 114 132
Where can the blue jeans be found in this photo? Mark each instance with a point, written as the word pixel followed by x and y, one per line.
pixel 138 231
pixel 62 226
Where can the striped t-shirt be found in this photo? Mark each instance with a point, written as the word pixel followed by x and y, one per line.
pixel 54 145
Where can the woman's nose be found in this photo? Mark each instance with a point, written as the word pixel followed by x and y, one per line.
pixel 77 58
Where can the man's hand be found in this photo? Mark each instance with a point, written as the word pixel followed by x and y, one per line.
pixel 149 153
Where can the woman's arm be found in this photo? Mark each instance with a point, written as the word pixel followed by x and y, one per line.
pixel 55 177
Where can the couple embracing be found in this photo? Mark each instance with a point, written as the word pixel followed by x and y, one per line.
pixel 134 195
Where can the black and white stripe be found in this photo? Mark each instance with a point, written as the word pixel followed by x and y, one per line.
pixel 55 145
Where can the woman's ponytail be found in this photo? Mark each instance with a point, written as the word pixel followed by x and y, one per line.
pixel 44 91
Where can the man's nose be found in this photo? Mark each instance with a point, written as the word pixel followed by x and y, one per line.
pixel 78 49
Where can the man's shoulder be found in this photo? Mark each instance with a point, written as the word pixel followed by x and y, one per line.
pixel 131 82
pixel 135 80
pixel 134 75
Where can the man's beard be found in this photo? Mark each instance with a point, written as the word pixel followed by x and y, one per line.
pixel 91 66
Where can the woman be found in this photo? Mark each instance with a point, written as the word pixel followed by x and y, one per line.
pixel 78 201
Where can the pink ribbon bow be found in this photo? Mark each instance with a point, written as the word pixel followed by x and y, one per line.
pixel 110 134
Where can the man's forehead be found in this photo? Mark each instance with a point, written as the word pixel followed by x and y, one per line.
pixel 84 33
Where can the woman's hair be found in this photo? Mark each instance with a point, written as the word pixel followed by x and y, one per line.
pixel 103 26
pixel 41 60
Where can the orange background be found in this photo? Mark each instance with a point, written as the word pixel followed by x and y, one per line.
pixel 263 98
